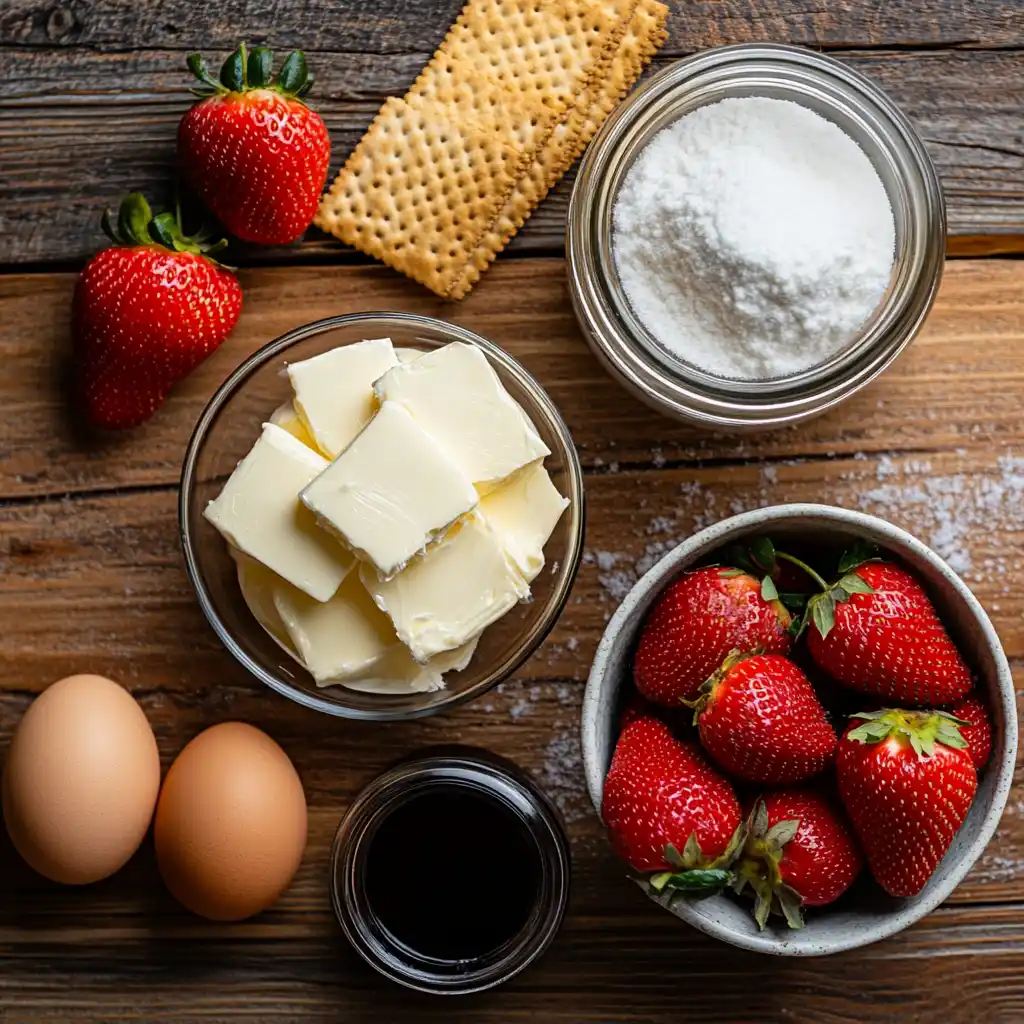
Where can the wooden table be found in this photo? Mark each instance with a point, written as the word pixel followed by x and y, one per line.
pixel 93 579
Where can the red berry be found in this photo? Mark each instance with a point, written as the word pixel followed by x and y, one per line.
pixel 760 720
pixel 144 316
pixel 254 152
pixel 907 781
pixel 659 792
pixel 799 852
pixel 977 732
pixel 696 622
pixel 886 638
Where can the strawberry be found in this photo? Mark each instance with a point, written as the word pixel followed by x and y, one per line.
pixel 252 149
pixel 697 621
pixel 976 728
pixel 907 781
pixel 875 631
pixel 759 718
pixel 662 796
pixel 799 852
pixel 146 312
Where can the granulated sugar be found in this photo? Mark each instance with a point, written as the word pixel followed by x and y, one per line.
pixel 753 238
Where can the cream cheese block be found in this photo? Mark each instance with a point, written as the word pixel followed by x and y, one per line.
pixel 337 639
pixel 523 512
pixel 391 492
pixel 398 672
pixel 257 584
pixel 453 592
pixel 259 512
pixel 334 391
pixel 455 395
pixel 285 417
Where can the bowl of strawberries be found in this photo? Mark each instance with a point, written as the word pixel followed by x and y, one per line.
pixel 800 730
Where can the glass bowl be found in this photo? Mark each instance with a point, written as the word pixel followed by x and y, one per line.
pixel 228 428
pixel 867 115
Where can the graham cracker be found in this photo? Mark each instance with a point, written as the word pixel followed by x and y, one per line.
pixel 414 190
pixel 642 34
pixel 446 175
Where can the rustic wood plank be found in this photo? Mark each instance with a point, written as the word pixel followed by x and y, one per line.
pixel 82 126
pixel 957 387
pixel 391 26
pixel 638 964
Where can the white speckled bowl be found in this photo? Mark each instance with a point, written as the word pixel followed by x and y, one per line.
pixel 865 914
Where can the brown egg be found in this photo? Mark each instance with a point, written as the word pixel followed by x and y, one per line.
pixel 81 780
pixel 230 826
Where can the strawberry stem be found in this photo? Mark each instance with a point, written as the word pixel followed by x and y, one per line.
pixel 793 560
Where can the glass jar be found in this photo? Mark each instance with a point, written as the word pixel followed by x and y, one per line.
pixel 481 774
pixel 862 110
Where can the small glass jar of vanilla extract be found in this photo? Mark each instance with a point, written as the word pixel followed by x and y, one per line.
pixel 450 872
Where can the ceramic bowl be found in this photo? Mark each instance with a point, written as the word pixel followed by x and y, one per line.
pixel 864 914
pixel 228 428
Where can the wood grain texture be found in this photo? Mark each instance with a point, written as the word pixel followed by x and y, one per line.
pixel 96 91
pixel 91 579
pixel 958 386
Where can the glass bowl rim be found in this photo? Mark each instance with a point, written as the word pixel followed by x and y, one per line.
pixel 571 559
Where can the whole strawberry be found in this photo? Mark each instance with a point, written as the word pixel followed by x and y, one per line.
pixel 697 621
pixel 799 852
pixel 976 728
pixel 760 720
pixel 876 631
pixel 661 796
pixel 254 152
pixel 146 312
pixel 907 781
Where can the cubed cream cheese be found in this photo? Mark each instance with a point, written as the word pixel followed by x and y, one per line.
pixel 391 492
pixel 257 584
pixel 346 636
pixel 334 391
pixel 398 672
pixel 523 513
pixel 259 512
pixel 452 593
pixel 454 394
pixel 285 417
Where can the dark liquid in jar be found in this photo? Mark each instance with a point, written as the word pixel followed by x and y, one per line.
pixel 452 874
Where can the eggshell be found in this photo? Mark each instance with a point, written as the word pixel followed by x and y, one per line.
pixel 81 780
pixel 230 825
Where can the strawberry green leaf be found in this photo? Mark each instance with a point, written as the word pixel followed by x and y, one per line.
pixel 698 883
pixel 163 229
pixel 133 219
pixel 823 613
pixel 762 550
pixel 769 592
pixel 657 882
pixel 209 85
pixel 294 73
pixel 790 903
pixel 692 855
pixel 861 552
pixel 260 67
pixel 730 574
pixel 107 223
pixel 782 832
pixel 737 554
pixel 854 584
pixel 303 91
pixel 232 72
pixel 672 856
